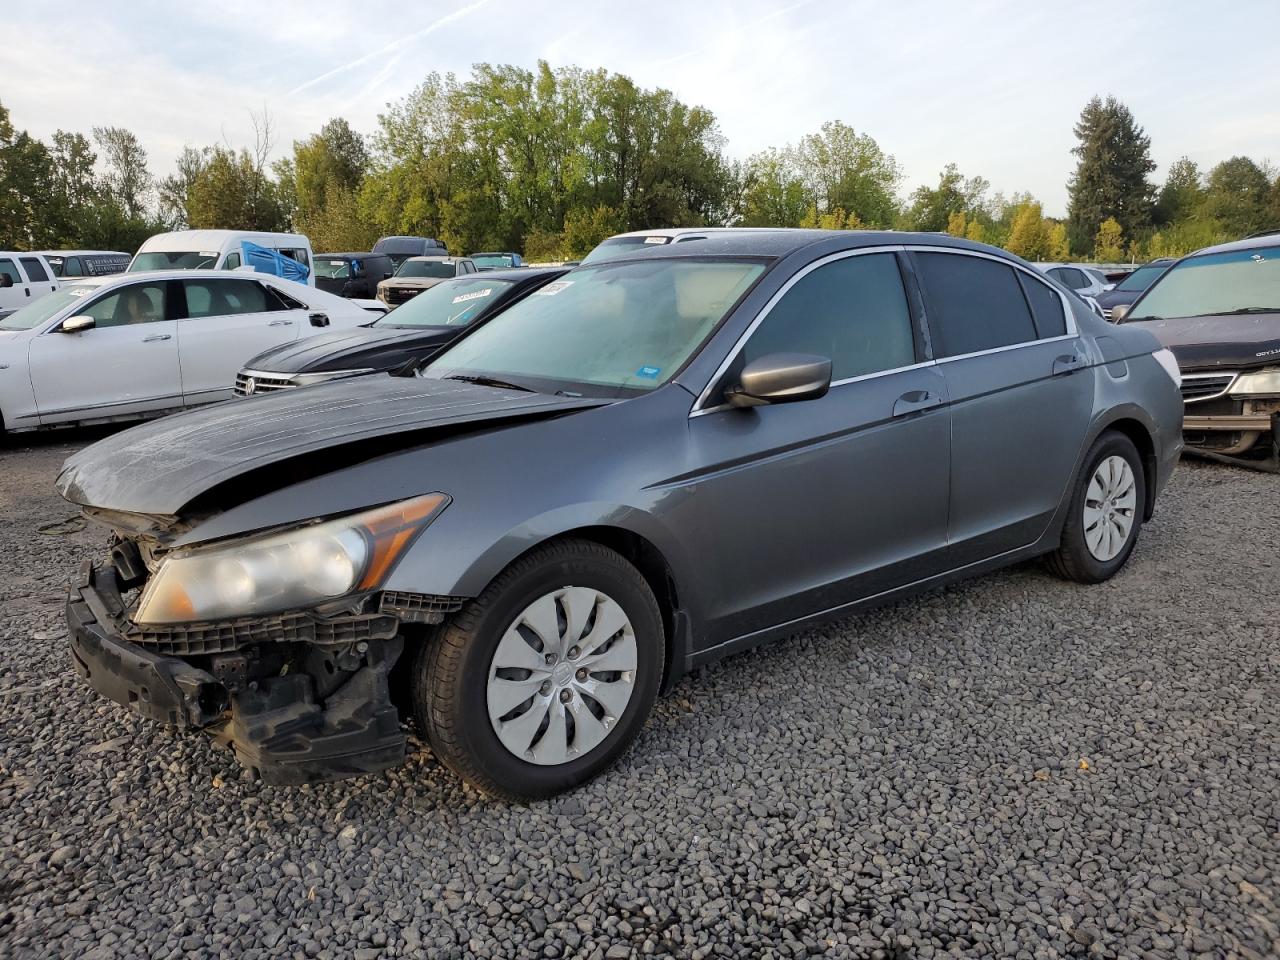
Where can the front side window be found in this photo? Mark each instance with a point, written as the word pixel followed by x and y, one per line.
pixel 974 304
pixel 38 311
pixel 1213 284
pixel 177 260
pixel 438 269
pixel 232 262
pixel 72 268
pixel 626 326
pixel 35 269
pixel 222 298
pixel 1073 279
pixel 136 303
pixel 852 310
pixel 452 304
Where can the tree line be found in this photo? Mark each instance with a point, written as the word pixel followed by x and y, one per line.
pixel 550 161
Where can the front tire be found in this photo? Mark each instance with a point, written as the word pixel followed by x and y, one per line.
pixel 1105 514
pixel 544 679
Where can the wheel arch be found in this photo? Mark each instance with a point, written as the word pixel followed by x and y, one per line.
pixel 1141 435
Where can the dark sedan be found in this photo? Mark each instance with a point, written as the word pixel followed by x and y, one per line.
pixel 1218 310
pixel 645 465
pixel 1131 287
pixel 396 342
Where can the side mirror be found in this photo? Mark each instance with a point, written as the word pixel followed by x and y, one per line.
pixel 319 319
pixel 1119 312
pixel 6 281
pixel 387 275
pixel 781 378
pixel 77 324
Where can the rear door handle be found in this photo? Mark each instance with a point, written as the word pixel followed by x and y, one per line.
pixel 915 401
pixel 280 323
pixel 1067 364
pixel 156 337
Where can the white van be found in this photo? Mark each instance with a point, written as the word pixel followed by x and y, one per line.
pixel 24 277
pixel 216 250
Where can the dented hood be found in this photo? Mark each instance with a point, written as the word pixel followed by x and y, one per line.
pixel 159 467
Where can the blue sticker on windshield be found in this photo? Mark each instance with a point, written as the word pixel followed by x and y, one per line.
pixel 649 373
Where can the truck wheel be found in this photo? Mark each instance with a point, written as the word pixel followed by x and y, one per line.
pixel 544 679
pixel 1105 514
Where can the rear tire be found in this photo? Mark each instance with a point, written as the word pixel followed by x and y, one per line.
pixel 523 713
pixel 1105 515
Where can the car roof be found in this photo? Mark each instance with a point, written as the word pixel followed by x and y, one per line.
pixel 83 253
pixel 350 253
pixel 180 274
pixel 180 241
pixel 512 273
pixel 781 241
pixel 443 257
pixel 494 253
pixel 1248 243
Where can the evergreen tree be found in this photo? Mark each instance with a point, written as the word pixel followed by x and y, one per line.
pixel 1111 177
pixel 1181 194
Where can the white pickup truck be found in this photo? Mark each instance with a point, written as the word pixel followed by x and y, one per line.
pixel 24 277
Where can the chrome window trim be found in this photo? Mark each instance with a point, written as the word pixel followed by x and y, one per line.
pixel 101 292
pixel 1073 332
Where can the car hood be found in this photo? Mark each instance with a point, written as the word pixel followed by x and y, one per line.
pixel 343 349
pixel 160 467
pixel 413 283
pixel 1215 342
pixel 1115 298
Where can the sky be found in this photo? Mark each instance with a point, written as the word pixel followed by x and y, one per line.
pixel 991 85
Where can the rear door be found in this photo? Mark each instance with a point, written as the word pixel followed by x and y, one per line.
pixel 127 364
pixel 830 500
pixel 39 277
pixel 227 321
pixel 1021 397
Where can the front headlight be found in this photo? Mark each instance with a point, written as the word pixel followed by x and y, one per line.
pixel 295 569
pixel 1256 384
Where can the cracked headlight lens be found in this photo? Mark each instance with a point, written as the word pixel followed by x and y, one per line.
pixel 289 570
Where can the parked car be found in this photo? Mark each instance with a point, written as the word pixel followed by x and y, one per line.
pixel 1085 281
pixel 1218 310
pixel 138 345
pixel 645 465
pixel 400 249
pixel 352 275
pixel 421 273
pixel 1131 287
pixel 400 341
pixel 216 250
pixel 24 278
pixel 496 261
pixel 625 244
pixel 77 264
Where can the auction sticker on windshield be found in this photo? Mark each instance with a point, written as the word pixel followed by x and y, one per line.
pixel 551 289
pixel 477 295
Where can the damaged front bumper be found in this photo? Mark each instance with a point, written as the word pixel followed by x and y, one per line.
pixel 298 698
pixel 1241 433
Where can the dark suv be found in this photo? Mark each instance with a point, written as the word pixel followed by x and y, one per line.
pixel 353 275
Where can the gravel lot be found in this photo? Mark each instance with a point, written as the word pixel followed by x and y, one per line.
pixel 1013 767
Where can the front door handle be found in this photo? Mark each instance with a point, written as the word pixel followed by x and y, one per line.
pixel 154 338
pixel 280 323
pixel 1067 364
pixel 915 401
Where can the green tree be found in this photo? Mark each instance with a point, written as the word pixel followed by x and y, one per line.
pixel 1182 193
pixel 1110 179
pixel 1108 245
pixel 773 194
pixel 75 190
pixel 931 208
pixel 127 180
pixel 583 229
pixel 328 166
pixel 174 191
pixel 26 181
pixel 231 191
pixel 1236 196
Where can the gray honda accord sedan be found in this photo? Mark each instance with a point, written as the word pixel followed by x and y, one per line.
pixel 646 465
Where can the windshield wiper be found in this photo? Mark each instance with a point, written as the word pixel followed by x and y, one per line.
pixel 484 381
pixel 1247 310
pixel 1136 319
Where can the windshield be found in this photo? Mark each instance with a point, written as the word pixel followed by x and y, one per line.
pixel 493 260
pixel 173 261
pixel 1141 278
pixel 333 269
pixel 446 304
pixel 616 247
pixel 426 268
pixel 37 312
pixel 1215 283
pixel 622 326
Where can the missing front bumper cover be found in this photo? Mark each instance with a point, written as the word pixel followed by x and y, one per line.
pixel 289 728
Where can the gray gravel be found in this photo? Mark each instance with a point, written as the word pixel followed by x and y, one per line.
pixel 1016 767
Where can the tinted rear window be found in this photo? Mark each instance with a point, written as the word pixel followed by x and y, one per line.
pixel 974 304
pixel 1046 306
pixel 34 268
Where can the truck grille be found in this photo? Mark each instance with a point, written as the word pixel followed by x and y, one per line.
pixel 249 383
pixel 1205 386
pixel 398 295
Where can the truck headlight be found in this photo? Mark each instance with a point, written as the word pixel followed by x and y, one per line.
pixel 1257 384
pixel 291 570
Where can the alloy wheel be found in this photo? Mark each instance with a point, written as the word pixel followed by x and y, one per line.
pixel 562 676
